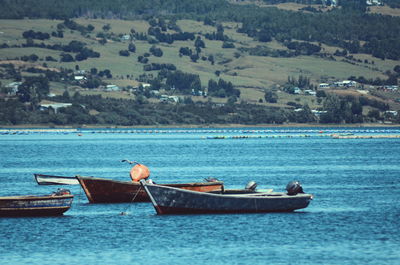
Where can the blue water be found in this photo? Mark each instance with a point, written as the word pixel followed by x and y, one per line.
pixel 353 219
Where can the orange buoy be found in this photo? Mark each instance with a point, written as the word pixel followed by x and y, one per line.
pixel 139 172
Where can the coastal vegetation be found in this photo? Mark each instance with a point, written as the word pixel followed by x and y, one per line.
pixel 196 62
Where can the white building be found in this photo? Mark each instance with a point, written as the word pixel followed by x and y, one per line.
pixel 13 87
pixel 145 85
pixel 112 88
pixel 55 106
pixel 310 92
pixel 80 72
pixel 324 85
pixel 338 84
pixel 155 93
pixel 79 78
pixel 318 112
pixel 373 3
pixel 349 83
pixel 391 112
pixel 392 88
pixel 126 37
pixel 166 98
pixel 296 90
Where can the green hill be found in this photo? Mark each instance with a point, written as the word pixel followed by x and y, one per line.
pixel 255 58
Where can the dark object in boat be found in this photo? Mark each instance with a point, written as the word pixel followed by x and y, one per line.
pixel 252 185
pixel 210 179
pixel 170 200
pixel 294 187
pixel 32 205
pixel 100 190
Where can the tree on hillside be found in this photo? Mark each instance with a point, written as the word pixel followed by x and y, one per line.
pixel 304 115
pixel 264 36
pixel 90 27
pixel 156 51
pixel 211 59
pixel 107 27
pixel 65 57
pixel 199 43
pixel 186 51
pixel 124 53
pixel 33 89
pixel 194 57
pixel 220 33
pixel 270 96
pixel 132 47
pixel 302 81
pixel 332 105
pixel 183 82
pixel 30 34
pixel 397 69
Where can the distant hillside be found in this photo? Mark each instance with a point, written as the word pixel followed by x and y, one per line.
pixel 348 27
pixel 183 62
pixel 55 9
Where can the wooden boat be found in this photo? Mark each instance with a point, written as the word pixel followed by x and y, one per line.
pixel 55 180
pixel 30 205
pixel 170 200
pixel 137 173
pixel 100 190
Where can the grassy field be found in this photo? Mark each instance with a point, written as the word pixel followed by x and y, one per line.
pixel 284 6
pixel 385 10
pixel 251 74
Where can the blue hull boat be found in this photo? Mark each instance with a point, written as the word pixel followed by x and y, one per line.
pixel 31 205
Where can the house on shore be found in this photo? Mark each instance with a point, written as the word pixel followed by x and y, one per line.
pixel 324 85
pixel 12 88
pixel 112 88
pixel 54 105
pixel 169 99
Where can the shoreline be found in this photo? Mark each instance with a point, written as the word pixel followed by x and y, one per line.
pixel 198 126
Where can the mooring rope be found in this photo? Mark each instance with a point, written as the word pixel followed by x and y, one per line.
pixel 80 194
pixel 130 205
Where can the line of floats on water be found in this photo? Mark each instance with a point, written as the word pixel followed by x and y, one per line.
pixel 243 133
pixel 335 136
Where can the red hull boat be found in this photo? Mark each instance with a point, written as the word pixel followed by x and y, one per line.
pixel 100 190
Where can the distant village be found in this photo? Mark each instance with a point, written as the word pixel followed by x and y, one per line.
pixel 79 78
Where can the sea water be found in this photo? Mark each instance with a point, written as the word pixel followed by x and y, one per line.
pixel 353 219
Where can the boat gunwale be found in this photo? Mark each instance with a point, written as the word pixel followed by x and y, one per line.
pixel 272 195
pixel 53 176
pixel 191 184
pixel 35 208
pixel 35 197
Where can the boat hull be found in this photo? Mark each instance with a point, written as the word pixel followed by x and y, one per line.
pixel 99 190
pixel 55 180
pixel 51 205
pixel 167 200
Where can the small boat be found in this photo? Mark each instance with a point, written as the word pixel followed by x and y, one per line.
pixel 32 205
pixel 55 180
pixel 100 190
pixel 170 200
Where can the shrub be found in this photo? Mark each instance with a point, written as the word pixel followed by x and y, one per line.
pixel 124 53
